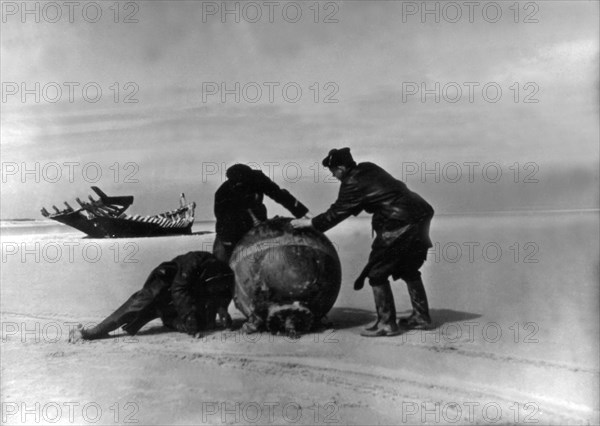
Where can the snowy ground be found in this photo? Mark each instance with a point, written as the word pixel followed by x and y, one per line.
pixel 516 337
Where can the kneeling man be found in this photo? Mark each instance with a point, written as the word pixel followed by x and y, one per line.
pixel 186 293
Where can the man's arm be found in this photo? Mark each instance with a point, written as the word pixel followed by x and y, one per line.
pixel 349 202
pixel 282 196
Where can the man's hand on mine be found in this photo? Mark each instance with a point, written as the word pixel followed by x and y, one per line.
pixel 301 223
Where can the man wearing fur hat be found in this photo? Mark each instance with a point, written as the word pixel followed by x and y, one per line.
pixel 401 220
pixel 239 206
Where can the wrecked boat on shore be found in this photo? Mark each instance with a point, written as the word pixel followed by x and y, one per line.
pixel 106 218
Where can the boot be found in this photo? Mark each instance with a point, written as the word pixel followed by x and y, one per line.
pixel 386 313
pixel 419 318
pixel 110 323
pixel 373 326
pixel 131 315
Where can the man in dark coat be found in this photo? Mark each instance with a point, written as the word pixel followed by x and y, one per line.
pixel 186 293
pixel 239 206
pixel 401 220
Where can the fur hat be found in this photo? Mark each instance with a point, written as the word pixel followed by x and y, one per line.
pixel 239 173
pixel 339 157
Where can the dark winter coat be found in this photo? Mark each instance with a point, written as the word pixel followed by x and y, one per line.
pixel 200 285
pixel 400 217
pixel 239 205
pixel 370 188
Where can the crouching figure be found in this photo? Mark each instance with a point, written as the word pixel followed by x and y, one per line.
pixel 187 293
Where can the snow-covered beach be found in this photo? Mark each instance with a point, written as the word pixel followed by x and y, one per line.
pixel 514 300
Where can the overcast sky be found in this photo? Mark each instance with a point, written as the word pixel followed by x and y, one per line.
pixel 180 135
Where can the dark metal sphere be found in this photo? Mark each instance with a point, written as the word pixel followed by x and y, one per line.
pixel 280 270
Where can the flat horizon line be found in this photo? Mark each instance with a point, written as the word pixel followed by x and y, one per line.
pixel 468 213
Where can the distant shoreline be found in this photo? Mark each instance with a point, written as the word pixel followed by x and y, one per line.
pixel 483 213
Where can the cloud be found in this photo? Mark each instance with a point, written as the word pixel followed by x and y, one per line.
pixel 368 54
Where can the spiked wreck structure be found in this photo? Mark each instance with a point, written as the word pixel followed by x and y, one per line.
pixel 106 218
